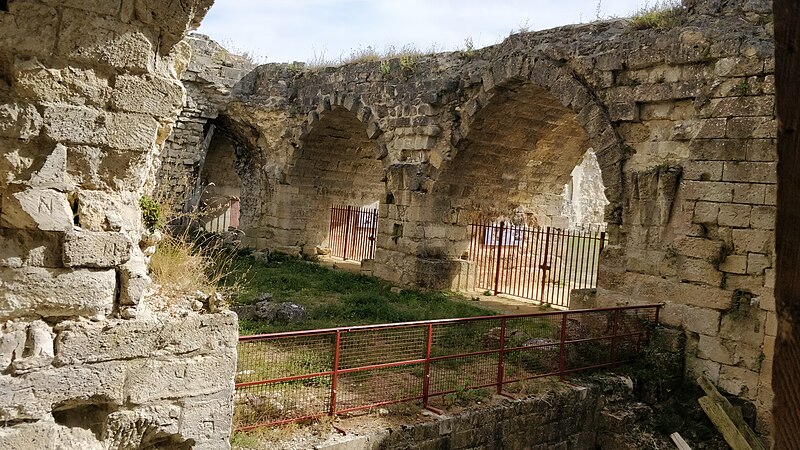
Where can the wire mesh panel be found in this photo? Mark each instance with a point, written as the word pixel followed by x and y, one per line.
pixel 542 264
pixel 352 232
pixel 292 376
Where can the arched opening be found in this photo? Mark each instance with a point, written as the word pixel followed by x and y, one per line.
pixel 221 187
pixel 338 182
pixel 520 172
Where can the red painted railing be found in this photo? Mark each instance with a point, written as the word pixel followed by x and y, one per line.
pixel 293 376
pixel 543 264
pixel 352 232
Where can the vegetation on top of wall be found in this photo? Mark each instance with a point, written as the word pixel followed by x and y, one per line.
pixel 661 15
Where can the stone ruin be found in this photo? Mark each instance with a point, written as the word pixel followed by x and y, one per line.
pixel 681 121
pixel 88 358
pixel 98 95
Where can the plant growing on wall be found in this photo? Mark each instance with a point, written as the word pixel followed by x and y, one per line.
pixel 151 213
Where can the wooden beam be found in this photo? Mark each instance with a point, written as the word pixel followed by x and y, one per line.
pixel 734 413
pixel 724 424
pixel 679 442
pixel 786 369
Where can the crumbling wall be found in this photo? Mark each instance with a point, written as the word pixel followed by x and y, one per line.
pixel 681 120
pixel 88 359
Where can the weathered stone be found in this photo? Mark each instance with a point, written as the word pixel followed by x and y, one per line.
pixel 42 209
pixel 33 291
pixel 160 97
pixel 89 342
pixel 96 249
pixel 19 120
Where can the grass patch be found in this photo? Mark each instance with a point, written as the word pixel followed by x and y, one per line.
pixel 334 298
pixel 661 15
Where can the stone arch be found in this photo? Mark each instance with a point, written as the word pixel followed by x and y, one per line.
pixel 561 84
pixel 337 161
pixel 519 138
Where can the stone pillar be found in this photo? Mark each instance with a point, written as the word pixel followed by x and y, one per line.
pixel 90 92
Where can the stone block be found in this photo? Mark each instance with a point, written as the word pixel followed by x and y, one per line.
pixel 42 209
pixel 750 172
pixel 734 264
pixel 755 241
pixel 734 215
pixel 19 248
pixel 208 419
pixel 763 217
pixel 102 211
pixel 700 248
pixel 762 149
pixel 700 271
pixel 718 149
pixel 716 349
pixel 70 86
pixel 81 342
pixel 744 325
pixel 757 263
pixel 745 107
pixel 34 291
pixel 708 191
pixel 91 38
pixel 703 170
pixel 753 194
pixel 147 94
pixel 738 381
pixel 696 367
pixel 152 379
pixel 706 213
pixel 696 319
pixel 96 249
pixel 29 27
pixel 19 120
pixel 46 434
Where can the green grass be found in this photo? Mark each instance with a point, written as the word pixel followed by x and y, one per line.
pixel 334 298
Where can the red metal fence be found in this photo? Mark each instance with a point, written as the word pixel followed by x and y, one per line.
pixel 292 376
pixel 542 264
pixel 352 232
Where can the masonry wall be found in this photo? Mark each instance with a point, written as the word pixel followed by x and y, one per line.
pixel 681 121
pixel 89 356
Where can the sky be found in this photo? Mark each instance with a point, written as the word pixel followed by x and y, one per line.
pixel 316 30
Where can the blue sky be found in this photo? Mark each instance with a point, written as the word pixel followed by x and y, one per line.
pixel 307 30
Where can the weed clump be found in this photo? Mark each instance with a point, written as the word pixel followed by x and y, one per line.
pixel 661 15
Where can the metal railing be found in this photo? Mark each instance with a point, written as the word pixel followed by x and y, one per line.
pixel 293 376
pixel 352 232
pixel 542 264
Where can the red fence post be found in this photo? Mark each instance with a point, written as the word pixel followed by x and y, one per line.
pixel 562 357
pixel 614 339
pixel 335 375
pixel 497 267
pixel 426 379
pixel 346 231
pixel 500 367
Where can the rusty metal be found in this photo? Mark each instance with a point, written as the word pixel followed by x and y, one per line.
pixel 300 375
pixel 352 232
pixel 543 264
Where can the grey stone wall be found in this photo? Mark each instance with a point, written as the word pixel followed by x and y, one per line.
pixel 88 357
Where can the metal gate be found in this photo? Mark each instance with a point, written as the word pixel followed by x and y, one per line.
pixel 352 232
pixel 542 264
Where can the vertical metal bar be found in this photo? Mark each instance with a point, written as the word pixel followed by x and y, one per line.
pixel 335 376
pixel 500 367
pixel 346 232
pixel 331 231
pixel 497 266
pixel 519 243
pixel 545 266
pixel 562 362
pixel 426 379
pixel 614 339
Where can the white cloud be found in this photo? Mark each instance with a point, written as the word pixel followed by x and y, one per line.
pixel 297 30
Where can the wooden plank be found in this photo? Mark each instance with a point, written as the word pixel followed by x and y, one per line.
pixel 679 442
pixel 735 414
pixel 724 424
pixel 786 369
